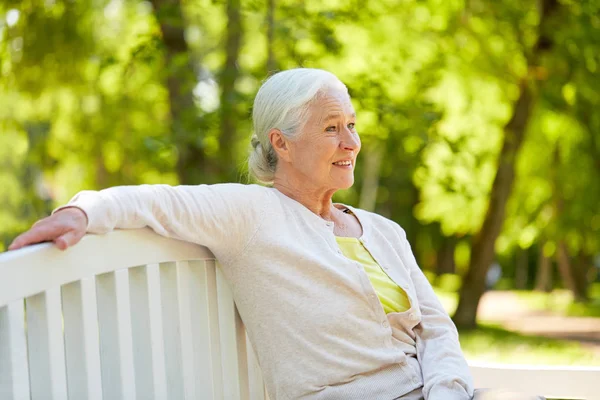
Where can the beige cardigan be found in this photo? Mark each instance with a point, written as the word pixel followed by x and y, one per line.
pixel 312 314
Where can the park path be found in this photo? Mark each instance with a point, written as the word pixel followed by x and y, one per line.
pixel 506 309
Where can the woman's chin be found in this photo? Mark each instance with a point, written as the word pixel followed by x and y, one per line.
pixel 346 183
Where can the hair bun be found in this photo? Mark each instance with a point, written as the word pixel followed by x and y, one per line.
pixel 254 141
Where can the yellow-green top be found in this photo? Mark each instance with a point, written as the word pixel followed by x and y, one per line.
pixel 393 298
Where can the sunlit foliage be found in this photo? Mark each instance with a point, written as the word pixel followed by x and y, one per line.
pixel 85 103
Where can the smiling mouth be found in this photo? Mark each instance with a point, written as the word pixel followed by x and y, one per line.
pixel 342 163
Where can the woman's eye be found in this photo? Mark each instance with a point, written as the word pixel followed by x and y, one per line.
pixel 351 126
pixel 331 128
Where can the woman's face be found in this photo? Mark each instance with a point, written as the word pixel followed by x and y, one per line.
pixel 324 154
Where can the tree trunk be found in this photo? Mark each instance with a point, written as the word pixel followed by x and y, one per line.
pixel 521 269
pixel 573 274
pixel 229 97
pixel 544 273
pixel 192 164
pixel 569 275
pixel 370 184
pixel 580 270
pixel 482 252
pixel 586 263
pixel 101 174
pixel 445 256
pixel 271 63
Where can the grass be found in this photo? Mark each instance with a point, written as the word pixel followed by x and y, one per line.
pixel 491 343
pixel 561 302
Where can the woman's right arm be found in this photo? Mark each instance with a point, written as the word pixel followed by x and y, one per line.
pixel 216 216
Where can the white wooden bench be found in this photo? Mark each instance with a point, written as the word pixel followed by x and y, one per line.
pixel 132 315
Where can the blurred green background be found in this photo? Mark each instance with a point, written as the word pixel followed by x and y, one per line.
pixel 479 119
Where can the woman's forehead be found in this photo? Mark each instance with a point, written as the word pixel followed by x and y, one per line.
pixel 332 104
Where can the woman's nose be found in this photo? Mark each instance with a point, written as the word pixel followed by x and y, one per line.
pixel 350 141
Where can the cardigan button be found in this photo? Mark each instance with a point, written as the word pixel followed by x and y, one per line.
pixel 385 324
pixel 403 362
pixel 412 316
pixel 415 380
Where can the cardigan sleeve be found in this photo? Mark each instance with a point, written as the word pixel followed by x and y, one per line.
pixel 222 217
pixel 446 375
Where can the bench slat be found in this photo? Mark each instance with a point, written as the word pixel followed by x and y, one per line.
pixel 46 346
pixel 116 349
pixel 242 355
pixel 201 284
pixel 14 368
pixel 94 255
pixel 229 344
pixel 82 343
pixel 184 308
pixel 146 328
pixel 171 330
pixel 256 385
pixel 214 328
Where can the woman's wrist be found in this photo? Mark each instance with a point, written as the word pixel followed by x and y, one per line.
pixel 76 212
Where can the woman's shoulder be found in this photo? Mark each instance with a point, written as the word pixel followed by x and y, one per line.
pixel 230 197
pixel 378 221
pixel 241 191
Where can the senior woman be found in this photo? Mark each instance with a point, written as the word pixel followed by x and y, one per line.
pixel 331 296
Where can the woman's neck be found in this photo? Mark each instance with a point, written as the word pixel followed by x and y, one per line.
pixel 318 201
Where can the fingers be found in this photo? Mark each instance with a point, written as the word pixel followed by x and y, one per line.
pixel 62 243
pixel 68 239
pixel 40 232
pixel 16 244
pixel 65 228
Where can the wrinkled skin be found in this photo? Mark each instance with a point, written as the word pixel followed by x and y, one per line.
pixel 65 228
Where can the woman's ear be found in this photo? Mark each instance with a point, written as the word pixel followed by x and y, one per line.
pixel 280 144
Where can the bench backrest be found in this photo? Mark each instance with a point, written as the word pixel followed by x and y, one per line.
pixel 121 316
pixel 133 315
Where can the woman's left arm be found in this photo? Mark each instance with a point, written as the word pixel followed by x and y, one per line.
pixel 446 375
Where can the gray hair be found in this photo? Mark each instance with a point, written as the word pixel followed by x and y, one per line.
pixel 282 103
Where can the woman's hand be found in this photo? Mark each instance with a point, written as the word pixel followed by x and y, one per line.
pixel 65 228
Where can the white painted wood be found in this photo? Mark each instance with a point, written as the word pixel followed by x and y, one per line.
pixel 229 342
pixel 255 379
pixel 14 369
pixel 46 351
pixel 553 382
pixel 82 344
pixel 146 328
pixel 35 268
pixel 156 332
pixel 242 355
pixel 200 356
pixel 116 348
pixel 212 330
pixel 184 307
pixel 171 330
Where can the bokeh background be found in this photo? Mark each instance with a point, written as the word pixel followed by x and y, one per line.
pixel 480 123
